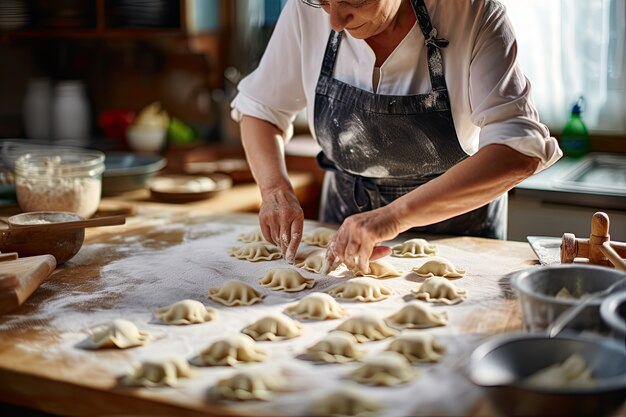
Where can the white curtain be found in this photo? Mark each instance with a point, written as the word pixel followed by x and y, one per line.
pixel 569 48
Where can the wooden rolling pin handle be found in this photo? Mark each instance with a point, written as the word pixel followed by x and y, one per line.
pixel 569 248
pixel 610 253
pixel 9 256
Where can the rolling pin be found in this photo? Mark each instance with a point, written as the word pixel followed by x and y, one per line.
pixel 20 277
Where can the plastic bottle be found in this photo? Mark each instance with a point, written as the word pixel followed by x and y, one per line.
pixel 575 138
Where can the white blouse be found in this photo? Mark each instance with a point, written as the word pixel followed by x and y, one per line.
pixel 491 98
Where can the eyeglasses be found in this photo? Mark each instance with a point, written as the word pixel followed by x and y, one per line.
pixel 316 3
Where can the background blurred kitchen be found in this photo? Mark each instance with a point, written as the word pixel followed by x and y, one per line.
pixel 80 72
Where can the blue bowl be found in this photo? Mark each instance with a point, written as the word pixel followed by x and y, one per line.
pixel 129 171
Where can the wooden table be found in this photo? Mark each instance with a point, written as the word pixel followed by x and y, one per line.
pixel 40 368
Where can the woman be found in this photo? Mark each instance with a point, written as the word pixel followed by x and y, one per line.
pixel 417 131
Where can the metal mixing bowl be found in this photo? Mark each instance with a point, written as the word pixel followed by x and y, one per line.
pixel 537 288
pixel 613 312
pixel 501 364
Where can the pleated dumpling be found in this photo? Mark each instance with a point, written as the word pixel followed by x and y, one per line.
pixel 316 306
pixel 414 248
pixel 249 385
pixel 361 289
pixel 186 312
pixel 417 315
pixel 232 350
pixel 254 236
pixel 380 269
pixel 256 251
pixel 273 327
pixel 385 368
pixel 319 236
pixel 235 293
pixel 156 373
pixel 440 290
pixel 367 328
pixel 345 402
pixel 118 333
pixel 336 347
pixel 312 261
pixel 418 347
pixel 285 279
pixel 439 267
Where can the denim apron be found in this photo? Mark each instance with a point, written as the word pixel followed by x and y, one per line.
pixel 376 148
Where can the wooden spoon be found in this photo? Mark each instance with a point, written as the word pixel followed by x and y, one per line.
pixel 71 225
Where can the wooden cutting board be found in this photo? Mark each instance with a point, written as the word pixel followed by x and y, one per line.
pixel 20 277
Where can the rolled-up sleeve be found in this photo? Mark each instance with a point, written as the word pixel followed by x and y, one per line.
pixel 274 90
pixel 501 96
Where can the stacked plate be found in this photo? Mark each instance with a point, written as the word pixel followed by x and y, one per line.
pixel 13 14
pixel 147 13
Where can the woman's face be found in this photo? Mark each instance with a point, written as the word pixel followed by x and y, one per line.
pixel 361 18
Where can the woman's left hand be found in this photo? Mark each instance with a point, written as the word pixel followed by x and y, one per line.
pixel 354 244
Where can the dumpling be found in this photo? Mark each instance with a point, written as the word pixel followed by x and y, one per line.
pixel 380 269
pixel 253 236
pixel 249 385
pixel 386 368
pixel 186 312
pixel 285 279
pixel 273 327
pixel 256 251
pixel 316 306
pixel 440 290
pixel 418 315
pixel 320 236
pixel 367 328
pixel 440 267
pixel 361 289
pixel 158 373
pixel 230 351
pixel 118 333
pixel 336 347
pixel 235 293
pixel 345 402
pixel 573 372
pixel 418 347
pixel 414 248
pixel 313 261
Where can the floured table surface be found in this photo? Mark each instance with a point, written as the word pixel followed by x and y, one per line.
pixel 157 259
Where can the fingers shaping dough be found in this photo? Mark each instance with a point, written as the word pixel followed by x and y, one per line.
pixel 367 328
pixel 439 267
pixel 273 327
pixel 320 236
pixel 418 315
pixel 235 293
pixel 118 333
pixel 249 385
pixel 345 402
pixel 285 279
pixel 386 368
pixel 186 312
pixel 230 351
pixel 414 248
pixel 158 373
pixel 380 269
pixel 336 347
pixel 418 347
pixel 361 289
pixel 316 306
pixel 256 251
pixel 440 290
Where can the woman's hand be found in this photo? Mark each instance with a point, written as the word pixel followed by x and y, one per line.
pixel 355 242
pixel 281 218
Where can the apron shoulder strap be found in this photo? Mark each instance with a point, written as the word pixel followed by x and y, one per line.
pixel 330 55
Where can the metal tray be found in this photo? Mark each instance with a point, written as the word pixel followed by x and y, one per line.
pixel 547 249
pixel 597 173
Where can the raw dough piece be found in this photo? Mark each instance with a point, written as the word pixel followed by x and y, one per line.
pixel 158 373
pixel 440 267
pixel 249 385
pixel 380 269
pixel 316 306
pixel 414 248
pixel 273 327
pixel 186 312
pixel 564 294
pixel 573 372
pixel 232 350
pixel 235 293
pixel 418 347
pixel 345 402
pixel 367 328
pixel 361 289
pixel 256 251
pixel 336 347
pixel 118 333
pixel 386 368
pixel 285 279
pixel 417 315
pixel 320 236
pixel 253 236
pixel 312 261
pixel 440 290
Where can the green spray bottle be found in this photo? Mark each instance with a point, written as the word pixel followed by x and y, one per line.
pixel 575 138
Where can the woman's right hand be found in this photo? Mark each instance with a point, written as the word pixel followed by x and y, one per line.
pixel 282 219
